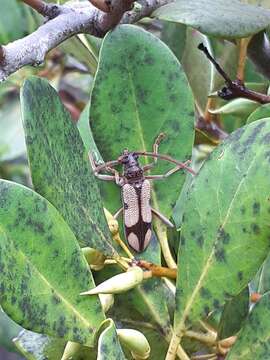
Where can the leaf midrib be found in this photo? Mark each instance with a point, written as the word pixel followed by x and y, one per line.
pixel 45 280
pixel 207 266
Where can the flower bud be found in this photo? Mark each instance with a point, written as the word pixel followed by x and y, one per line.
pixel 119 283
pixel 70 350
pixel 94 258
pixel 136 342
pixel 112 222
pixel 107 301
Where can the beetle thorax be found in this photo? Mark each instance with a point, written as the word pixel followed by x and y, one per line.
pixel 132 169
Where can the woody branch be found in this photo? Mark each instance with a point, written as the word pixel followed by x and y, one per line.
pixel 64 21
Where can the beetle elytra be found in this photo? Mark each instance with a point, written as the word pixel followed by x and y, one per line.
pixel 136 191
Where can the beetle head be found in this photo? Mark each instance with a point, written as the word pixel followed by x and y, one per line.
pixel 132 169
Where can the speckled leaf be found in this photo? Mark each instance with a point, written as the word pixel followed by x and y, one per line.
pixel 8 330
pixel 261 112
pixel 108 192
pixel 216 18
pixel 261 282
pixel 108 343
pixel 59 164
pixel 139 92
pixel 42 269
pixel 233 315
pixel 237 107
pixel 225 232
pixel 253 342
pixel 42 347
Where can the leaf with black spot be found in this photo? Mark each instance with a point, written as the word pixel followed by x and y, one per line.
pixel 236 235
pixel 43 270
pixel 253 342
pixel 60 166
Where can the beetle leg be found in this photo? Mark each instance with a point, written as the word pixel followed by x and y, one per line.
pixel 162 218
pixel 158 140
pixel 167 174
pixel 115 177
pixel 118 213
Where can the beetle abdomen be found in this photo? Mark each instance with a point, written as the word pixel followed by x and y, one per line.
pixel 137 214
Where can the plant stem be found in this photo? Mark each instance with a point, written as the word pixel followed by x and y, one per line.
pixel 243 45
pixel 175 348
pixel 209 338
pixel 234 88
pixel 158 271
pixel 161 232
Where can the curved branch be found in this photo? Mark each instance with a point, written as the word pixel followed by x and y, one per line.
pixel 66 21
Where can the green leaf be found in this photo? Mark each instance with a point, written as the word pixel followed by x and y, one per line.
pixel 216 18
pixel 12 136
pixel 42 347
pixel 108 343
pixel 139 92
pixel 39 346
pixel 233 315
pixel 237 107
pixel 261 282
pixel 225 233
pixel 59 165
pixel 253 342
pixel 42 269
pixel 8 330
pixel 261 112
pixel 12 25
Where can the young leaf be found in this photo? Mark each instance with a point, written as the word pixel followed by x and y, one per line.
pixel 108 343
pixel 233 315
pixel 43 270
pixel 253 342
pixel 261 112
pixel 225 233
pixel 139 92
pixel 216 18
pixel 59 164
pixel 42 347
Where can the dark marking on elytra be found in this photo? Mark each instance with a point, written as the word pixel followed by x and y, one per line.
pixel 216 304
pixel 256 208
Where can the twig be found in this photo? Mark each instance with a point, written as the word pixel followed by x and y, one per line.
pixel 234 88
pixel 47 10
pixel 158 271
pixel 242 58
pixel 211 128
pixel 65 21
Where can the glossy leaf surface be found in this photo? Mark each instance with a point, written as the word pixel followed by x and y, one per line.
pixel 34 241
pixel 253 342
pixel 216 18
pixel 59 164
pixel 225 232
pixel 139 92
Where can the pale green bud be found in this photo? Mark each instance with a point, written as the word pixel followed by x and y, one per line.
pixel 94 258
pixel 70 350
pixel 107 301
pixel 119 283
pixel 136 342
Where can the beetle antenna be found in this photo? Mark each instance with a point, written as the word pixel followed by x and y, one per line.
pixel 217 66
pixel 166 158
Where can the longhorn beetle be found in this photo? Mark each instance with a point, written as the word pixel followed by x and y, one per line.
pixel 136 189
